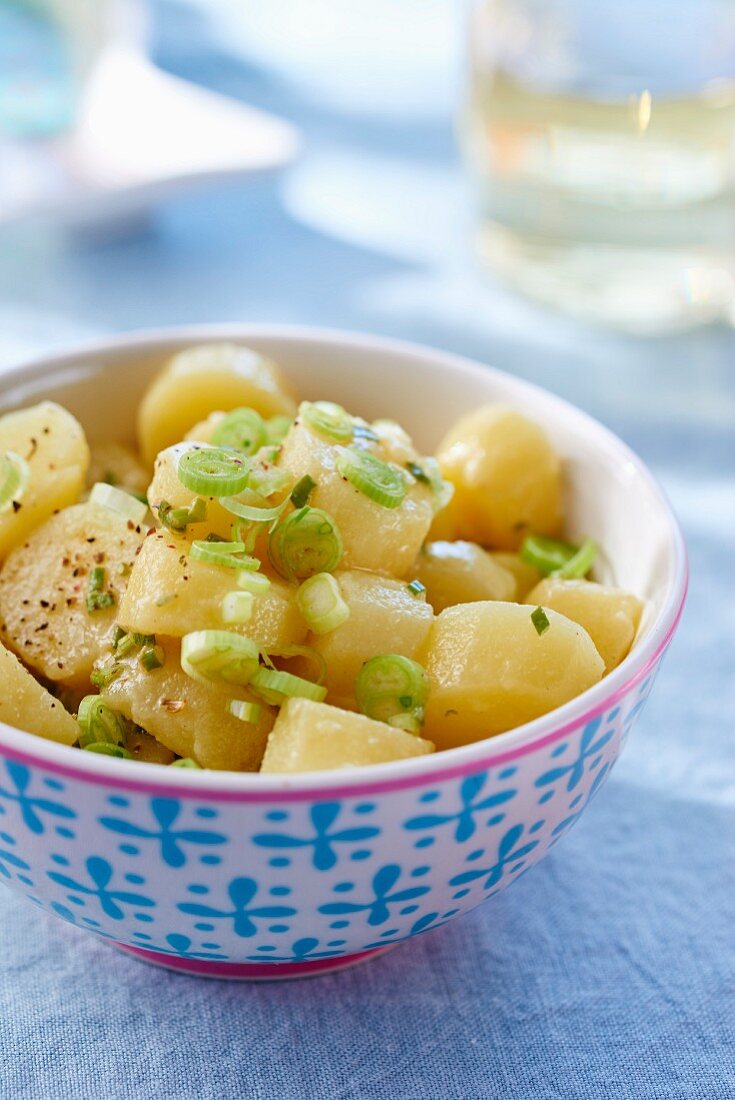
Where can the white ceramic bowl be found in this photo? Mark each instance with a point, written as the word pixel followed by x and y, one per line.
pixel 234 875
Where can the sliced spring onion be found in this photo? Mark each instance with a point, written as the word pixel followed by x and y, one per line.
pixel 185 762
pixel 416 587
pixel 363 434
pixel 302 491
pixel 99 723
pixel 327 419
pixel 304 543
pixel 443 490
pixel 252 512
pixel 152 658
pixel 307 652
pixel 124 645
pixel 117 500
pixel 256 583
pixel 105 749
pixel 242 429
pixel 556 556
pixel 15 473
pixel 97 598
pixel 230 554
pixel 540 620
pixel 379 481
pixel 579 564
pixel 389 687
pixel 178 519
pixel 319 599
pixel 213 471
pixel 219 655
pixel 418 472
pixel 104 673
pixel 277 428
pixel 266 479
pixel 237 607
pixel 246 712
pixel 275 687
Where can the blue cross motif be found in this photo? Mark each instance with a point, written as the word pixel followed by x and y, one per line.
pixel 379 907
pixel 567 823
pixel 30 807
pixel 165 811
pixel 10 859
pixel 180 946
pixel 323 815
pixel 587 747
pixel 66 914
pixel 469 790
pixel 301 951
pixel 507 853
pixel 427 923
pixel 100 873
pixel 241 892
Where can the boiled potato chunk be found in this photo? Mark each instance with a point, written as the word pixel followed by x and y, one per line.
pixel 44 585
pixel 117 465
pixel 311 736
pixel 383 540
pixel 384 618
pixel 26 705
pixel 461 572
pixel 525 575
pixel 167 487
pixel 506 476
pixel 145 748
pixel 188 717
pixel 200 380
pixel 171 593
pixel 491 671
pixel 53 444
pixel 609 615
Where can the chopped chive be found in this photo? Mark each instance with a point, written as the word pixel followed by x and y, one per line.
pixel 125 645
pixel 416 471
pixel 416 588
pixel 302 491
pixel 152 658
pixel 105 673
pixel 97 598
pixel 540 620
pixel 178 519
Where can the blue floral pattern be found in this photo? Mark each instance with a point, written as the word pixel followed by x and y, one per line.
pixel 294 881
pixel 324 853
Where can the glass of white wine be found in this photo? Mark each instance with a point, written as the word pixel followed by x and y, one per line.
pixel 601 136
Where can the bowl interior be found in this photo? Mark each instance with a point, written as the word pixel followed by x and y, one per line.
pixel 609 494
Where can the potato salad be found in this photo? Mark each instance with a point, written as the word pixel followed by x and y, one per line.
pixel 270 586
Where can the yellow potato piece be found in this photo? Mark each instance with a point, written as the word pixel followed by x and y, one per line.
pixel 44 584
pixel 117 465
pixel 461 572
pixel 188 717
pixel 384 618
pixel 315 736
pixel 26 705
pixel 201 380
pixel 166 486
pixel 203 430
pixel 506 476
pixel 491 671
pixel 54 446
pixel 383 540
pixel 171 593
pixel 146 749
pixel 609 615
pixel 525 575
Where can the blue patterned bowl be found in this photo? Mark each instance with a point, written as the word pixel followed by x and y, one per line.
pixel 251 876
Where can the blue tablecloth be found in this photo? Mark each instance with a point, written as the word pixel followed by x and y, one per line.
pixel 608 972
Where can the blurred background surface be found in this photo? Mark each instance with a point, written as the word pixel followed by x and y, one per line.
pixel 607 972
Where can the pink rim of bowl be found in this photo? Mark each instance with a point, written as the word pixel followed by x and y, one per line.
pixel 450 764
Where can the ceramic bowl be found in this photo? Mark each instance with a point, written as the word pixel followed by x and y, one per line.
pixel 249 876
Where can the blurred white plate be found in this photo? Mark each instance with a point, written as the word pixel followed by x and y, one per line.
pixel 141 135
